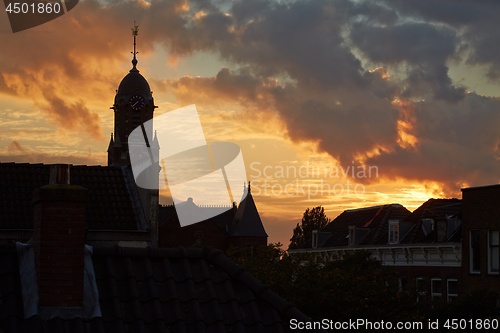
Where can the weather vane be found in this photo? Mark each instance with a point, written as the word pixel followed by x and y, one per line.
pixel 135 32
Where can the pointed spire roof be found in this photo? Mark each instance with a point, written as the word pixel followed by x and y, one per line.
pixel 155 144
pixel 111 143
pixel 247 222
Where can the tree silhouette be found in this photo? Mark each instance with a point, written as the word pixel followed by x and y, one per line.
pixel 313 219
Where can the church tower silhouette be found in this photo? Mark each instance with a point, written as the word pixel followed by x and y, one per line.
pixel 134 105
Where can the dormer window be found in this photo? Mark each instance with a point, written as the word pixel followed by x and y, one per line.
pixel 427 226
pixel 314 239
pixel 352 235
pixel 393 232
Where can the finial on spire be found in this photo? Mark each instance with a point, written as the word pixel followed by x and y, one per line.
pixel 249 187
pixel 135 32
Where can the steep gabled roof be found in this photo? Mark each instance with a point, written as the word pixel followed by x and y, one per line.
pixel 111 204
pixel 375 219
pixel 158 290
pixel 247 222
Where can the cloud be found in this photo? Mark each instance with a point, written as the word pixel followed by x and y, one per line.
pixel 225 86
pixel 341 68
pixel 336 73
pixel 422 48
pixel 15 147
pixel 474 21
pixel 459 145
pixel 71 115
pixel 17 152
pixel 65 66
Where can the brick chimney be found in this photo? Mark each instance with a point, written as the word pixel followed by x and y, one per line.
pixel 59 239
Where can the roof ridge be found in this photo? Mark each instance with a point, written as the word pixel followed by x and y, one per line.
pixel 375 232
pixel 373 207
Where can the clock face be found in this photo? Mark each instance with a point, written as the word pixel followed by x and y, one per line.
pixel 136 102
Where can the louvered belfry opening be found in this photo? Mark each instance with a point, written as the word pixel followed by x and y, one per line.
pixel 59 240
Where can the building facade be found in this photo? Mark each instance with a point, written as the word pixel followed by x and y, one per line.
pixel 236 226
pixel 481 228
pixel 423 247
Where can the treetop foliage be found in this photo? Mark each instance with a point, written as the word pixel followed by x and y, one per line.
pixel 313 219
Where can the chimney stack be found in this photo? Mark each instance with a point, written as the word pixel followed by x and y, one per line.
pixel 59 240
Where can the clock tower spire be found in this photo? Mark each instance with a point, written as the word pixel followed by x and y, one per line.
pixel 134 105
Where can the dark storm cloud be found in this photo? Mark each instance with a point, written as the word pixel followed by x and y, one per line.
pixel 225 86
pixel 459 144
pixel 324 93
pixel 422 48
pixel 302 39
pixel 476 21
pixel 331 69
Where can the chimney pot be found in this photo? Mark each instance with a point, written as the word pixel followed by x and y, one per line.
pixel 59 174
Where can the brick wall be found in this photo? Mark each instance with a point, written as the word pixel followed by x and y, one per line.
pixel 206 233
pixel 481 211
pixel 59 239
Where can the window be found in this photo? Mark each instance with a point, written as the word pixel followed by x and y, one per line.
pixel 452 289
pixel 314 239
pixel 441 231
pixel 475 251
pixel 420 287
pixel 427 226
pixel 493 251
pixel 436 288
pixel 393 232
pixel 402 283
pixel 352 235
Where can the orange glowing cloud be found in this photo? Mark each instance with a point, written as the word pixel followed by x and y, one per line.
pixel 382 72
pixel 405 123
pixel 70 67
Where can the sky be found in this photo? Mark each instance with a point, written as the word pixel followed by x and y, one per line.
pixel 339 103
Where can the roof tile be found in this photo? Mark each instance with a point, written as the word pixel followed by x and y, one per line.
pixel 161 290
pixel 109 205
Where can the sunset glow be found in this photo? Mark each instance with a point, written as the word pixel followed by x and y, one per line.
pixel 405 123
pixel 333 105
